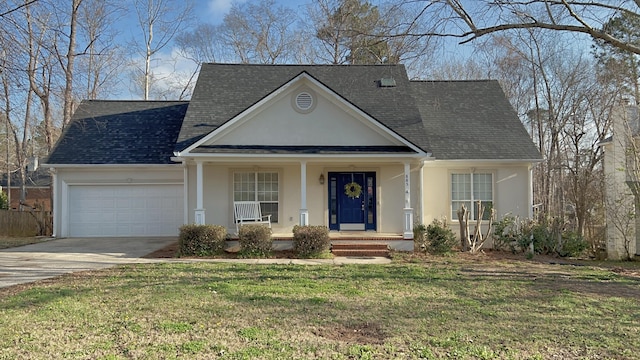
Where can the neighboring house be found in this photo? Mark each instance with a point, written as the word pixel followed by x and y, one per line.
pixel 37 189
pixel 621 160
pixel 296 138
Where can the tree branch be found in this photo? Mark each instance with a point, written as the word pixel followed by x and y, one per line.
pixel 17 8
pixel 597 34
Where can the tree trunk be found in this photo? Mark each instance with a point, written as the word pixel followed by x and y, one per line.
pixel 68 70
pixel 463 219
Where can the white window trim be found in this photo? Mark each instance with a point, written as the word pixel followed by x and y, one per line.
pixel 255 172
pixel 473 200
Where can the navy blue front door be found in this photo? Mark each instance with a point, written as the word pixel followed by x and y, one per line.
pixel 352 201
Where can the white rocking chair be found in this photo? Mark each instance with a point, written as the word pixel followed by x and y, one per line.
pixel 249 212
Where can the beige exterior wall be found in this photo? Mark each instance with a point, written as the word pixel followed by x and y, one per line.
pixel 511 189
pixel 218 197
pixel 267 124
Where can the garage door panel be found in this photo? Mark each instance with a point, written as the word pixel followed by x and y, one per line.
pixel 125 210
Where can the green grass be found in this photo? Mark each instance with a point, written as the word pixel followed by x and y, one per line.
pixel 13 241
pixel 438 308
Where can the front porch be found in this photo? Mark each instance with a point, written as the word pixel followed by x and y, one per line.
pixel 374 202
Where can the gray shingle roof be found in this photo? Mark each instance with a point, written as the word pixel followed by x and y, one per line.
pixel 225 90
pixel 38 178
pixel 451 119
pixel 471 120
pixel 120 132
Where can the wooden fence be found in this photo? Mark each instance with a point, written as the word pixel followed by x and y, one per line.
pixel 25 223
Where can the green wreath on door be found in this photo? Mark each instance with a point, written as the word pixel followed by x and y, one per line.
pixel 353 190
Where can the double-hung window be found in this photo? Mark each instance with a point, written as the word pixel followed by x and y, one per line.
pixel 468 189
pixel 258 186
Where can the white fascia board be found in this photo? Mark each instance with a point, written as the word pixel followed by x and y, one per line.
pixel 107 166
pixel 437 162
pixel 280 90
pixel 342 159
pixel 212 157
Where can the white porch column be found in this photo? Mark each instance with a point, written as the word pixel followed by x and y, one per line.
pixel 199 215
pixel 304 212
pixel 530 195
pixel 408 211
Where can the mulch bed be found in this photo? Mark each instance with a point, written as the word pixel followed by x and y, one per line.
pixel 171 251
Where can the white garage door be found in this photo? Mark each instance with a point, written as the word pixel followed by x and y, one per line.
pixel 125 210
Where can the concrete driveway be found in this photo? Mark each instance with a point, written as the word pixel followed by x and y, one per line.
pixel 56 257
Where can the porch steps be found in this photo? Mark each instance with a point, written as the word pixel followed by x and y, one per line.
pixel 360 249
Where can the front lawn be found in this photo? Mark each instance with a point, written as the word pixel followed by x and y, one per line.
pixel 450 308
pixel 13 241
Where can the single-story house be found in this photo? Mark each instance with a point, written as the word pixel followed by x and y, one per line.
pixel 354 148
pixel 37 189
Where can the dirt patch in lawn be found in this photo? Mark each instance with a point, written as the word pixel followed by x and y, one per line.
pixel 360 333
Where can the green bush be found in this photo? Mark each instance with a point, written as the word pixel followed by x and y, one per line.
pixel 572 244
pixel 4 201
pixel 547 236
pixel 505 233
pixel 255 240
pixel 311 241
pixel 440 239
pixel 419 237
pixel 201 240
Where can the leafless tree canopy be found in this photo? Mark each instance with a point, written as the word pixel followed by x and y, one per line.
pixel 470 20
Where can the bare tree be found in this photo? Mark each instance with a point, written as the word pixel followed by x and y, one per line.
pixel 483 17
pixel 200 45
pixel 160 21
pixel 67 63
pixel 98 65
pixel 11 8
pixel 260 32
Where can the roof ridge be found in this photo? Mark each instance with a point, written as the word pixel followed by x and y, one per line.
pixel 304 65
pixel 140 101
pixel 452 81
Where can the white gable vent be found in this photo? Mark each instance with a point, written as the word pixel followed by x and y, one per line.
pixel 304 102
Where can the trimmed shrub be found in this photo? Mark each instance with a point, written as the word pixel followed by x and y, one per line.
pixel 201 240
pixel 311 241
pixel 440 239
pixel 255 240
